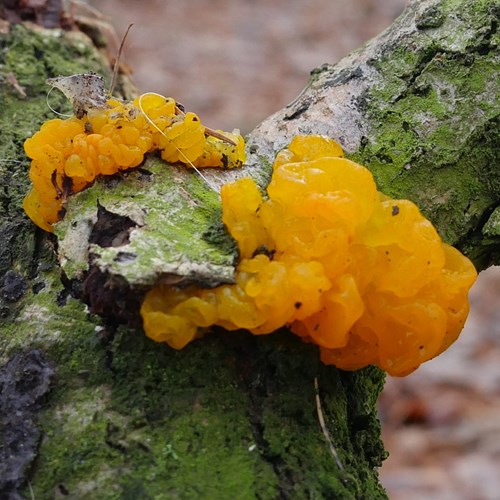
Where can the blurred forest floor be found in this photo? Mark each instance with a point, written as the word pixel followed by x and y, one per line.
pixel 236 62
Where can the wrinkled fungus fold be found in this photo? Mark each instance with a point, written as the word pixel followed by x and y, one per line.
pixel 67 155
pixel 365 277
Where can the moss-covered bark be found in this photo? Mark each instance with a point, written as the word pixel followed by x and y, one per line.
pixel 233 416
pixel 419 105
pixel 230 417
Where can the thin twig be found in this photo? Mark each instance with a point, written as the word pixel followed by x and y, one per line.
pixel 218 135
pixel 12 80
pixel 208 130
pixel 32 494
pixel 323 426
pixel 117 62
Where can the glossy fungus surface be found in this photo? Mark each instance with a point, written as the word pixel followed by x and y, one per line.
pixel 365 277
pixel 68 155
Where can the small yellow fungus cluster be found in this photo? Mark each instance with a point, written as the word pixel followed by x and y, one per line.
pixel 67 155
pixel 365 277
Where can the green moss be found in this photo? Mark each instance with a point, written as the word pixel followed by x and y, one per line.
pixel 433 17
pixel 34 56
pixel 209 422
pixel 232 416
pixel 174 210
pixel 179 451
pixel 67 335
pixel 30 57
pixel 422 146
pixel 492 227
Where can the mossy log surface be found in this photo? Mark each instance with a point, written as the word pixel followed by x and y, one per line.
pixel 233 415
pixel 419 106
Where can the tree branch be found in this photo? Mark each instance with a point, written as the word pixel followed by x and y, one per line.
pixel 233 415
pixel 419 105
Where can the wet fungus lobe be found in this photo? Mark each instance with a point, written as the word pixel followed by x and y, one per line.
pixel 67 155
pixel 365 277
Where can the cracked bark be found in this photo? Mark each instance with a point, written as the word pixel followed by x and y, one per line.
pixel 234 415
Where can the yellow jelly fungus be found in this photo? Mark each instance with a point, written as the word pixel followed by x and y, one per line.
pixel 67 155
pixel 365 277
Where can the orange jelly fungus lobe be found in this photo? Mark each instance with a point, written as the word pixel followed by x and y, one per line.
pixel 365 277
pixel 68 155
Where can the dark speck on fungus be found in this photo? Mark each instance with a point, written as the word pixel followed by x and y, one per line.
pixel 360 307
pixel 109 136
pixel 312 253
